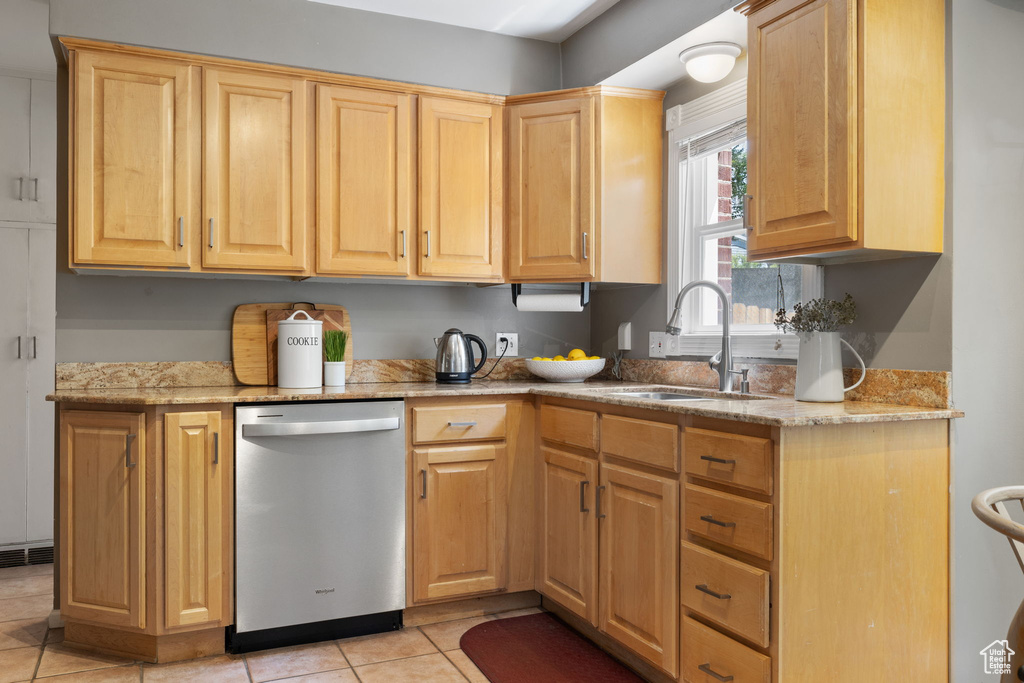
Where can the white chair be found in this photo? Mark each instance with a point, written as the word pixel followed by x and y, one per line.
pixel 990 508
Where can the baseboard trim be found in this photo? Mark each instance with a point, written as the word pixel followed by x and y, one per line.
pixel 173 647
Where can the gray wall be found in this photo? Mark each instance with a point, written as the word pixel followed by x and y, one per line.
pixel 627 31
pixel 905 310
pixel 188 318
pixel 109 318
pixel 988 174
pixel 319 36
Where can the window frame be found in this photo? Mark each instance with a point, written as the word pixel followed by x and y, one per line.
pixel 718 109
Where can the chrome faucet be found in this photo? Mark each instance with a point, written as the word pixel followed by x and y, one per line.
pixel 721 362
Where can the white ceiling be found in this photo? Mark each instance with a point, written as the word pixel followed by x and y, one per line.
pixel 662 67
pixel 550 20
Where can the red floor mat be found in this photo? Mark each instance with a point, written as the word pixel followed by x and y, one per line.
pixel 540 649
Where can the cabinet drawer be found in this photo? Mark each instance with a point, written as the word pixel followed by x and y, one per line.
pixel 741 603
pixel 710 657
pixel 734 459
pixel 458 423
pixel 569 426
pixel 650 443
pixel 737 522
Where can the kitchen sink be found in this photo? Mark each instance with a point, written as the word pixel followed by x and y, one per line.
pixel 672 396
pixel 660 395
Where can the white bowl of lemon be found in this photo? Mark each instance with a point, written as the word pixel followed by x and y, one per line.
pixel 577 367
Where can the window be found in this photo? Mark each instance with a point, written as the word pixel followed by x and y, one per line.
pixel 708 177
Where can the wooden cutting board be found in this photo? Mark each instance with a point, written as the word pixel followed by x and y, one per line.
pixel 251 338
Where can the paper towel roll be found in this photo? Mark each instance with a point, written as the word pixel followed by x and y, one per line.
pixel 562 303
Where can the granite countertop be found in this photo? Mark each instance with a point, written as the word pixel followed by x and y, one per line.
pixel 781 411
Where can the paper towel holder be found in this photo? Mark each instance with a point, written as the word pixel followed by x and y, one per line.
pixel 517 289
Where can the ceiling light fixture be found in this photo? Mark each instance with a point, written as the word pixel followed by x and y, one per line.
pixel 710 62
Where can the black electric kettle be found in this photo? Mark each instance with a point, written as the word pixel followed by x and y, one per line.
pixel 454 363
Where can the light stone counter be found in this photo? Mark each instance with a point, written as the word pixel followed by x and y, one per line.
pixel 781 411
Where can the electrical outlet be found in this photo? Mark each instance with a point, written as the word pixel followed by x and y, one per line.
pixel 657 346
pixel 513 344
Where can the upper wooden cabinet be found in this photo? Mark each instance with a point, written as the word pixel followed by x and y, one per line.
pixel 365 181
pixel 135 158
pixel 551 183
pixel 184 162
pixel 461 189
pixel 846 129
pixel 584 185
pixel 254 171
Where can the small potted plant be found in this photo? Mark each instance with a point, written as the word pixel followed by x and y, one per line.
pixel 335 342
pixel 819 369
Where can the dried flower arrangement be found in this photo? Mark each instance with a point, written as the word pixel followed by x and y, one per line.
pixel 818 315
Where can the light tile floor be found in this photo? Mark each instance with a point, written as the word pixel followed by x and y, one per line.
pixel 30 652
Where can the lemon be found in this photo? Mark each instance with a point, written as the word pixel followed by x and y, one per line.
pixel 536 358
pixel 594 358
pixel 577 354
pixel 558 358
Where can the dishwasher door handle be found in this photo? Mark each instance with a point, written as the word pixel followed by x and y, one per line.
pixel 380 424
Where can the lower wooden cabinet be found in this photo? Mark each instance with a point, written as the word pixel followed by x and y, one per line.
pixel 638 595
pixel 460 520
pixel 146 512
pixel 103 510
pixel 609 532
pixel 568 545
pixel 197 509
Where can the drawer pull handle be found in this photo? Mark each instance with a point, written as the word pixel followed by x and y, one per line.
pixel 711 520
pixel 597 503
pixel 722 461
pixel 706 668
pixel 703 588
pixel 462 424
pixel 583 488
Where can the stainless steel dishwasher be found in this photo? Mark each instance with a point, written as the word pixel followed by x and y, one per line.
pixel 319 522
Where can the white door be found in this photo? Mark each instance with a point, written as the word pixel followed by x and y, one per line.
pixel 14 282
pixel 43 155
pixel 15 137
pixel 42 312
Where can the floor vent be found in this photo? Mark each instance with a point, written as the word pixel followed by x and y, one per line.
pixel 13 558
pixel 21 556
pixel 41 555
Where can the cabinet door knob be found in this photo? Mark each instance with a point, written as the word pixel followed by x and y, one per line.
pixel 585 246
pixel 746 213
pixel 403 243
pixel 181 231
pixel 427 252
pixel 35 189
pixel 19 347
pixel 216 448
pixel 423 477
pixel 597 503
pixel 583 488
pixel 211 232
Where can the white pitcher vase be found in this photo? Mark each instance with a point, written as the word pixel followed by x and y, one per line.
pixel 819 368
